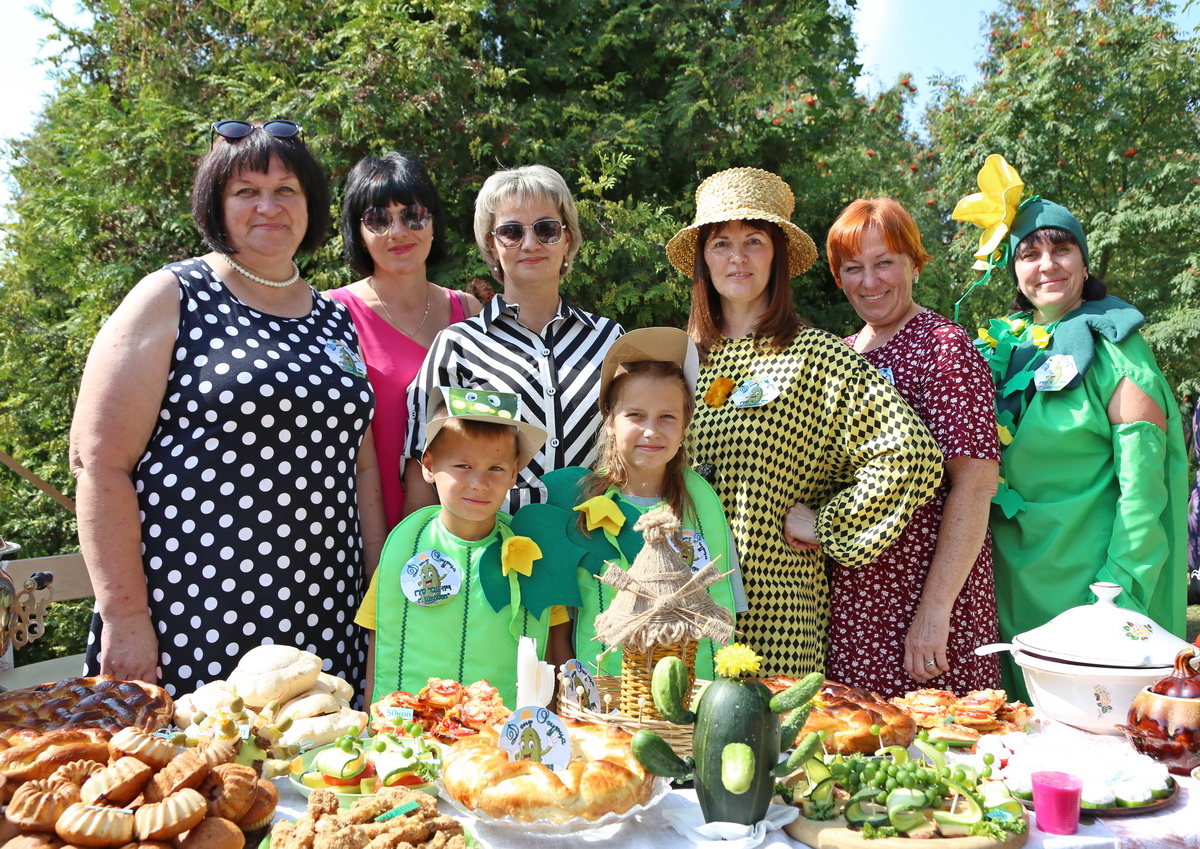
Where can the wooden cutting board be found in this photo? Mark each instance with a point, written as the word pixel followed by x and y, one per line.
pixel 834 834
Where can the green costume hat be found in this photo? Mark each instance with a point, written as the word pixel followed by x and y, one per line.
pixel 1035 214
pixel 483 405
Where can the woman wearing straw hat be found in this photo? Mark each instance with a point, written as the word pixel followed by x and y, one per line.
pixel 811 451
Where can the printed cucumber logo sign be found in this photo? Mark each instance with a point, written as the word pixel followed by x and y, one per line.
pixel 430 578
pixel 536 734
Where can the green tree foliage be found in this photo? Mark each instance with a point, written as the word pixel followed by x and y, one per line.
pixel 634 101
pixel 1095 105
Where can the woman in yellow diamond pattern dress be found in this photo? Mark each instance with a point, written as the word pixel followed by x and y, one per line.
pixel 812 452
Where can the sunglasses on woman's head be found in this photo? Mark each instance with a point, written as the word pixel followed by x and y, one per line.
pixel 548 231
pixel 234 130
pixel 379 219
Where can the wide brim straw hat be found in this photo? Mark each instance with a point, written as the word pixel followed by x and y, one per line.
pixel 743 194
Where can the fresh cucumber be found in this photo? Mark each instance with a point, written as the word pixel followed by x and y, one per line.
pixel 654 753
pixel 799 693
pixel 669 686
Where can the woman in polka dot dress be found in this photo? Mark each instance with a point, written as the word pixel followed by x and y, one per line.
pixel 228 494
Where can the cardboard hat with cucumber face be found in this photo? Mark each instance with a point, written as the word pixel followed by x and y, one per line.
pixel 483 405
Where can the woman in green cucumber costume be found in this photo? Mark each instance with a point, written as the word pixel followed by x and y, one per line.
pixel 1093 471
pixel 647 391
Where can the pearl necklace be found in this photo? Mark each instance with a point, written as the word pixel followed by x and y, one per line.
pixel 388 313
pixel 274 284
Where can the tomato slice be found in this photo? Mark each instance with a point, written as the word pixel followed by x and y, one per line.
pixel 357 778
pixel 405 779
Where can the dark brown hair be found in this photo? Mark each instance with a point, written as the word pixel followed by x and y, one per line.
pixel 1093 287
pixel 396 177
pixel 780 324
pixel 610 468
pixel 229 157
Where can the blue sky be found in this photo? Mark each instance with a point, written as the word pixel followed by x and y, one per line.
pixel 923 37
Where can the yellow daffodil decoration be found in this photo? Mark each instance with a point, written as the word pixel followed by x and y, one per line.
pixel 517 555
pixel 992 208
pixel 736 659
pixel 602 512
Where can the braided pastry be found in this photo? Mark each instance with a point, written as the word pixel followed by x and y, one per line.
pixel 100 703
pixel 602 777
pixel 31 761
pixel 847 716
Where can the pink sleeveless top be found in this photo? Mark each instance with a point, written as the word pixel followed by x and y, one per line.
pixel 392 362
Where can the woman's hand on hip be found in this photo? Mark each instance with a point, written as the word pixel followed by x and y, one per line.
pixel 798 529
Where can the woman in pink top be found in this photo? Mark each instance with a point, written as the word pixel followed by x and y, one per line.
pixel 392 221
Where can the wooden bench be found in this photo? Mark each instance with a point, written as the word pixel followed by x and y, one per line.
pixel 71 582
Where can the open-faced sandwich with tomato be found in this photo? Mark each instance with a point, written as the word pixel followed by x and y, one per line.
pixel 391 759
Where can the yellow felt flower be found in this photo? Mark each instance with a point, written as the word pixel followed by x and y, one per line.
pixel 736 659
pixel 1017 324
pixel 1004 435
pixel 984 336
pixel 517 555
pixel 1038 336
pixel 602 512
pixel 993 207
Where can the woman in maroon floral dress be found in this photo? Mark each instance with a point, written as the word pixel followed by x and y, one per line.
pixel 913 617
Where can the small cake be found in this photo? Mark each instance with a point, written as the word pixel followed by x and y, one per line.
pixel 262 807
pixel 229 790
pixel 76 772
pixel 147 748
pixel 212 833
pixel 37 805
pixel 185 772
pixel 173 815
pixel 118 784
pixel 91 825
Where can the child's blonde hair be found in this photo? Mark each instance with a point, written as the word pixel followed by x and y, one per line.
pixel 609 469
pixel 474 430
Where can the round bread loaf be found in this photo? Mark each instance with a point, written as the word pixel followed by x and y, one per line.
pixel 101 704
pixel 848 715
pixel 603 777
pixel 274 672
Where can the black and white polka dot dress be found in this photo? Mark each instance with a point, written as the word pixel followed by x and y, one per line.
pixel 247 488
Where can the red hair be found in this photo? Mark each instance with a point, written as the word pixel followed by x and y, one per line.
pixel 900 232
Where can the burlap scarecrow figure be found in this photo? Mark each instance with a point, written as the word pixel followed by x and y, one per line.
pixel 661 608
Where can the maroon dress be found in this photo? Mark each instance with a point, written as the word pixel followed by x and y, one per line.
pixel 934 365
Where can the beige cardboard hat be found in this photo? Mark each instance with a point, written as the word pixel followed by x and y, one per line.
pixel 743 194
pixel 654 344
pixel 483 405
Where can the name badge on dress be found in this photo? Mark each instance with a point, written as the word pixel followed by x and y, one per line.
pixel 1055 373
pixel 886 371
pixel 345 357
pixel 430 578
pixel 755 392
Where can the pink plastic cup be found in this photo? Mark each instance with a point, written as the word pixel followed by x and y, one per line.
pixel 1056 801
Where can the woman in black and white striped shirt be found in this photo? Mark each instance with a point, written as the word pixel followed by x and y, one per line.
pixel 529 340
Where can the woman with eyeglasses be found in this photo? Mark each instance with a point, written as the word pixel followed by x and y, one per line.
pixel 528 340
pixel 392 231
pixel 228 494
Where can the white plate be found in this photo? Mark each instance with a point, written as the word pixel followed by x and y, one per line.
pixel 548 828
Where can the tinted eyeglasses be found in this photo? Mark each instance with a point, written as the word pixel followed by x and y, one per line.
pixel 379 219
pixel 234 130
pixel 548 231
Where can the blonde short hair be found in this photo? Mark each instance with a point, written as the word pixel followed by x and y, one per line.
pixel 530 182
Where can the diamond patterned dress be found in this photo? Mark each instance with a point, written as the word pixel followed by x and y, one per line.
pixel 840 439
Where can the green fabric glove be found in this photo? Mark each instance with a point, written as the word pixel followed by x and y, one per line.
pixel 1138 549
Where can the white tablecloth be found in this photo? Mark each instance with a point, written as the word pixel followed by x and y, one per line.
pixel 1175 827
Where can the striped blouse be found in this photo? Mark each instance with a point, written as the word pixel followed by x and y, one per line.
pixel 556 373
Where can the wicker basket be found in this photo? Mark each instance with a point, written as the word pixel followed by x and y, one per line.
pixel 637 671
pixel 678 737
